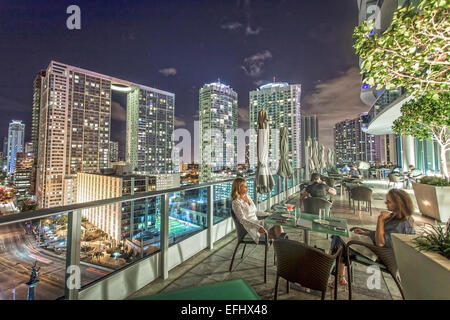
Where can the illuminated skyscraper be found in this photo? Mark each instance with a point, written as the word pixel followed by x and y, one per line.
pixel 218 122
pixel 150 116
pixel 75 126
pixel 281 101
pixel 352 144
pixel 16 135
pixel 114 151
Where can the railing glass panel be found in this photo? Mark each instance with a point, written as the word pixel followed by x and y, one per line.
pixel 187 213
pixel 40 241
pixel 222 201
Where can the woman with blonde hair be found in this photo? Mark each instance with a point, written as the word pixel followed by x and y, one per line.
pixel 396 219
pixel 245 211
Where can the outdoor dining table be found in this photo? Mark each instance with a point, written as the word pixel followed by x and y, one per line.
pixel 339 178
pixel 307 222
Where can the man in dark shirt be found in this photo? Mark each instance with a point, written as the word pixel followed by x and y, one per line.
pixel 318 188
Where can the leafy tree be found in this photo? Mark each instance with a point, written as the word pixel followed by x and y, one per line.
pixel 412 53
pixel 428 117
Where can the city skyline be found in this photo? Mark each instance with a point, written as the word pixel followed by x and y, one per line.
pixel 239 35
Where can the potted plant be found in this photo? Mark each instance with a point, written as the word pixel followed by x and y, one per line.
pixel 424 263
pixel 432 197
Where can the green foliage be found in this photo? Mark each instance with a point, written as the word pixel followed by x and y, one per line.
pixel 426 117
pixel 411 53
pixel 435 181
pixel 436 240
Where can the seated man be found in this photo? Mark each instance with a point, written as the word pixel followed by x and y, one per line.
pixel 318 188
pixel 345 169
pixel 354 173
pixel 353 176
pixel 412 175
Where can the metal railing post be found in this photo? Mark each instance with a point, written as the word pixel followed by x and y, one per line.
pixel 210 215
pixel 164 236
pixel 72 283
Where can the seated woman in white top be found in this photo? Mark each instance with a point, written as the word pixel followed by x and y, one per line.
pixel 246 213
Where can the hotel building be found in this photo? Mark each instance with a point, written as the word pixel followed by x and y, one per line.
pixel 123 220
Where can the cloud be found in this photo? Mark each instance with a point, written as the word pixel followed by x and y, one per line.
pixel 335 100
pixel 118 112
pixel 259 83
pixel 249 31
pixel 168 71
pixel 178 122
pixel 231 26
pixel 243 116
pixel 253 65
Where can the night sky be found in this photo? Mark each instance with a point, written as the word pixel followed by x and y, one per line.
pixel 178 46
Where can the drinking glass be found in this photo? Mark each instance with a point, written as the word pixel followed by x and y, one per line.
pixel 321 213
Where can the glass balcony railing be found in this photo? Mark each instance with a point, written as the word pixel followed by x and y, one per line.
pixel 80 247
pixel 384 100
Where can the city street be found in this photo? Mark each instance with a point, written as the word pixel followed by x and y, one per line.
pixel 18 252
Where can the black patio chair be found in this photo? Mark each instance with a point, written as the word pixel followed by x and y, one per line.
pixel 241 238
pixel 361 193
pixel 385 261
pixel 310 267
pixel 314 204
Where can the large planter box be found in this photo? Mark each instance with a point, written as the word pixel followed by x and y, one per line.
pixel 424 275
pixel 432 201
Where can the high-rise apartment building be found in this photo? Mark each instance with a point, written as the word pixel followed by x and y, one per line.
pixel 22 174
pixel 309 129
pixel 114 151
pixel 282 104
pixel 16 136
pixel 352 144
pixel 218 115
pixel 5 146
pixel 75 128
pixel 150 116
pixel 37 86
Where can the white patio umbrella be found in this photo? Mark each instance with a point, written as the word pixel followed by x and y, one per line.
pixel 315 156
pixel 322 158
pixel 312 165
pixel 308 161
pixel 284 167
pixel 330 158
pixel 263 181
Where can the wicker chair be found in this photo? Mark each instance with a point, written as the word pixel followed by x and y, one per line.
pixel 305 265
pixel 386 262
pixel 394 179
pixel 241 238
pixel 359 194
pixel 313 204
